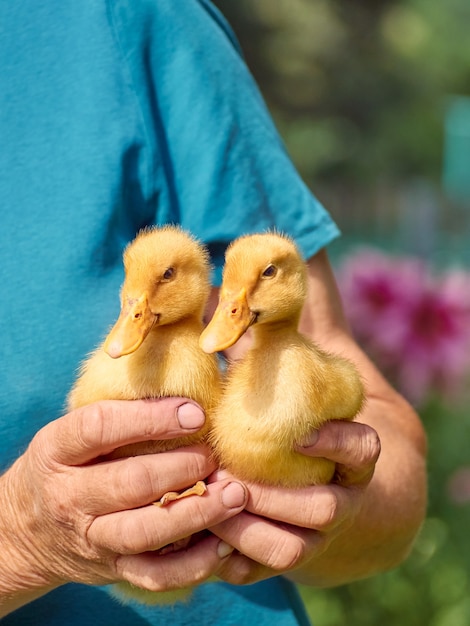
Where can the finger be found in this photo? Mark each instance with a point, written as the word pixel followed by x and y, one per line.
pixel 239 569
pixel 175 570
pixel 355 447
pixel 321 507
pixel 152 527
pixel 132 482
pixel 99 428
pixel 278 548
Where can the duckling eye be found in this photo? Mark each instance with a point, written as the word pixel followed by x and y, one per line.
pixel 168 273
pixel 270 271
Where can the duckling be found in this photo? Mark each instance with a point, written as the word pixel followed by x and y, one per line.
pixel 152 351
pixel 286 385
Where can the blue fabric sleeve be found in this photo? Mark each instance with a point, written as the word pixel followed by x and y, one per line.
pixel 218 165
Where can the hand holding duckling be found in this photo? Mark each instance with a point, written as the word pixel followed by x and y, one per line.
pixel 92 521
pixel 152 351
pixel 293 531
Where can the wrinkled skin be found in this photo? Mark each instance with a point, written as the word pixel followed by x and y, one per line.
pixel 77 517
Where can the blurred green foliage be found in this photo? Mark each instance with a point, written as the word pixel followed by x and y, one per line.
pixel 359 91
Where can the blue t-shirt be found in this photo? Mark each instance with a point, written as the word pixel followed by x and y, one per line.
pixel 114 115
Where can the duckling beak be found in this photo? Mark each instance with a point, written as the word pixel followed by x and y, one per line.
pixel 231 319
pixel 133 325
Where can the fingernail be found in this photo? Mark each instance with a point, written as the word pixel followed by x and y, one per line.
pixel 233 495
pixel 224 549
pixel 309 441
pixel 190 416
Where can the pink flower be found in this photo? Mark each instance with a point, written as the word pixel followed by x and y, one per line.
pixel 438 339
pixel 458 486
pixel 416 326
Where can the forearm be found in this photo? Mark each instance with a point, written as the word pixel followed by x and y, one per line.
pixel 392 512
pixel 12 598
pixel 394 503
pixel 21 581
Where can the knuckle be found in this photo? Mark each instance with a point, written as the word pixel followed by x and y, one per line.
pixel 324 516
pixel 123 535
pixel 286 554
pixel 136 536
pixel 201 515
pixel 369 448
pixel 90 425
pixel 137 480
pixel 197 464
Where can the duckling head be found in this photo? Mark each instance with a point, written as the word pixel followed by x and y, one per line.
pixel 264 282
pixel 167 279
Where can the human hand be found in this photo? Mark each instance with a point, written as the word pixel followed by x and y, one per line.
pixel 282 530
pixel 69 514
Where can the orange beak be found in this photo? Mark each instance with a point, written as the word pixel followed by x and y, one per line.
pixel 133 325
pixel 231 319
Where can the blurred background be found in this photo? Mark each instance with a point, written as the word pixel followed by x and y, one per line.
pixel 372 98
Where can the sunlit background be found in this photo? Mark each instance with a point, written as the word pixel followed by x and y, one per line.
pixel 372 98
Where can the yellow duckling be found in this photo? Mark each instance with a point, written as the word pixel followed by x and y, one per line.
pixel 285 386
pixel 152 351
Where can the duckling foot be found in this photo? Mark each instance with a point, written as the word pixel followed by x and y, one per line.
pixel 199 489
